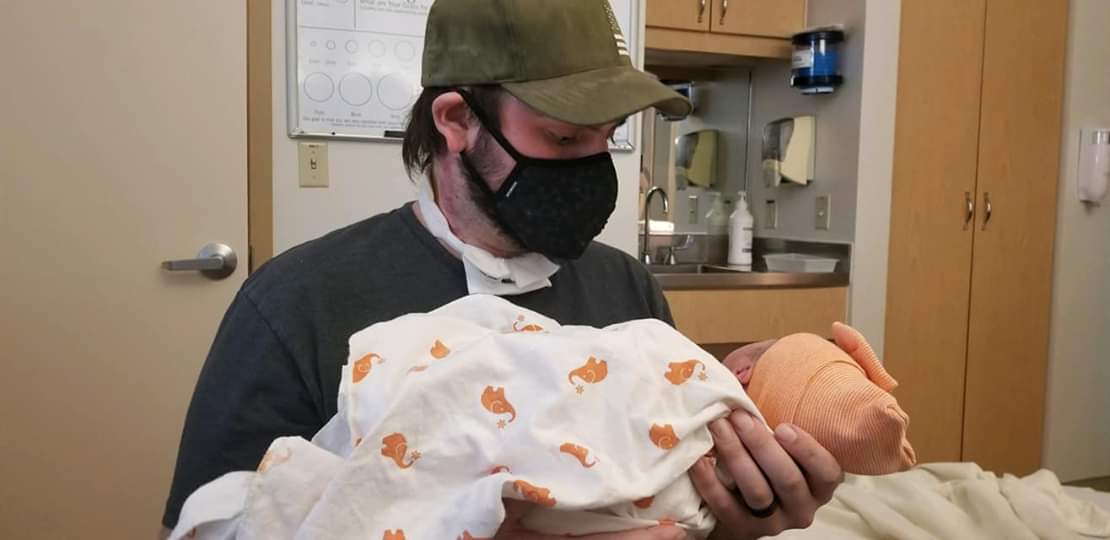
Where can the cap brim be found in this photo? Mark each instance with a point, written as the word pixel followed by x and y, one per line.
pixel 599 96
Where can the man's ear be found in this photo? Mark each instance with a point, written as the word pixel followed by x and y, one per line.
pixel 453 120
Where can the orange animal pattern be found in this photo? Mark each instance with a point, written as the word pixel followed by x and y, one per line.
pixel 417 369
pixel 439 350
pixel 467 536
pixel 580 453
pixel 644 503
pixel 592 372
pixel 394 446
pixel 192 533
pixel 394 535
pixel 667 523
pixel 499 469
pixel 363 365
pixel 272 459
pixel 493 399
pixel 535 494
pixel 527 327
pixel 680 372
pixel 663 436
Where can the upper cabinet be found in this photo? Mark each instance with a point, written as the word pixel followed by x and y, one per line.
pixel 741 28
pixel 768 18
pixel 678 14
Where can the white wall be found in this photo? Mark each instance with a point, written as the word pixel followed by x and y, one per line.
pixel 867 296
pixel 1077 412
pixel 367 178
pixel 838 128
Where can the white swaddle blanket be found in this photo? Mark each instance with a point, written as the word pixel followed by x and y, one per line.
pixel 441 415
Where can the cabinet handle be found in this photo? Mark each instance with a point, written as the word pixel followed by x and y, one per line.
pixel 989 208
pixel 701 10
pixel 724 9
pixel 970 210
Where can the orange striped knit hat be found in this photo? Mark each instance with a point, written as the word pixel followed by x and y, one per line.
pixel 840 395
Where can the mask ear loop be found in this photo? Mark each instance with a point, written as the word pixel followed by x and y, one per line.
pixel 484 120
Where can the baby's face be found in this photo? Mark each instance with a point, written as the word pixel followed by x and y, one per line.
pixel 742 361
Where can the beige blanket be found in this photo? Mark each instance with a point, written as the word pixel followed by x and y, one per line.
pixel 956 500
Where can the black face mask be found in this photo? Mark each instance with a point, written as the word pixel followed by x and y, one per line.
pixel 553 207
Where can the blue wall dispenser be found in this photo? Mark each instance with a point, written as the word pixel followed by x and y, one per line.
pixel 816 60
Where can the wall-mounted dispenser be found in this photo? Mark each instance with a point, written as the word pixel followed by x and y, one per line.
pixel 816 60
pixel 696 158
pixel 1094 165
pixel 789 151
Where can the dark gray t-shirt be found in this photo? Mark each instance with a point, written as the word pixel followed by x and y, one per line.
pixel 274 366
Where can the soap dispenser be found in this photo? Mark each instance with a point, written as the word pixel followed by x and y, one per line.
pixel 717 218
pixel 741 231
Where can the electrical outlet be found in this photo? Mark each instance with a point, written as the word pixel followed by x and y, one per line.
pixel 771 215
pixel 313 158
pixel 823 211
pixel 692 204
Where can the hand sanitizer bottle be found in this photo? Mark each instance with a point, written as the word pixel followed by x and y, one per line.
pixel 741 229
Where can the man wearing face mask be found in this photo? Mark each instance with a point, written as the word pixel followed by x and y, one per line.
pixel 508 147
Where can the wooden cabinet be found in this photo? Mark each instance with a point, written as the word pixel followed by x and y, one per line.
pixel 769 18
pixel 678 14
pixel 973 217
pixel 754 28
pixel 734 316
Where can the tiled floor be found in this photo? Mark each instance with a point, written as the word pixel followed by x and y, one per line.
pixel 1100 484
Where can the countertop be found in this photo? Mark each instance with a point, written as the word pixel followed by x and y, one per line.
pixel 702 277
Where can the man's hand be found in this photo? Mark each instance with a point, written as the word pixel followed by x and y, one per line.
pixel 783 477
pixel 511 529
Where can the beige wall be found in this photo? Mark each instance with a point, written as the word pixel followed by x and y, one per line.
pixel 1077 416
pixel 367 178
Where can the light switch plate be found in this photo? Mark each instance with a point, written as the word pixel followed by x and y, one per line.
pixel 313 158
pixel 823 211
pixel 771 215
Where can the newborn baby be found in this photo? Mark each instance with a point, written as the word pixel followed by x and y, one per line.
pixel 838 393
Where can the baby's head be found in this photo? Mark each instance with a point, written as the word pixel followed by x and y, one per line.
pixel 839 394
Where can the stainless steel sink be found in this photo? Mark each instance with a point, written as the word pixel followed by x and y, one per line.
pixel 692 268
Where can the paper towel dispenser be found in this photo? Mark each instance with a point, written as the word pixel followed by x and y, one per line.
pixel 696 157
pixel 788 151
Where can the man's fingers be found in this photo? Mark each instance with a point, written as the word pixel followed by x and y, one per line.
pixel 783 473
pixel 821 468
pixel 722 502
pixel 740 466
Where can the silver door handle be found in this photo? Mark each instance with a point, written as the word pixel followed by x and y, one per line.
pixel 970 209
pixel 216 261
pixel 724 9
pixel 701 9
pixel 989 209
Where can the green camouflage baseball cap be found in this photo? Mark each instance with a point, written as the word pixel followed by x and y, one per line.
pixel 565 58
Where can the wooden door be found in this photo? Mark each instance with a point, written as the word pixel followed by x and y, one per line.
pixel 1023 82
pixel 124 145
pixel 679 14
pixel 935 155
pixel 766 18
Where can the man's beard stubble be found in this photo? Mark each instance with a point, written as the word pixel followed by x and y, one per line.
pixel 479 156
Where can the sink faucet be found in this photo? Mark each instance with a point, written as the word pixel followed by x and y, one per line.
pixel 644 255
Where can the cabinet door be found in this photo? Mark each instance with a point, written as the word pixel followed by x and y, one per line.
pixel 768 18
pixel 679 14
pixel 935 153
pixel 1023 79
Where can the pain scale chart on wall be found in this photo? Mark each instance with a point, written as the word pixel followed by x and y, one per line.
pixel 353 66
